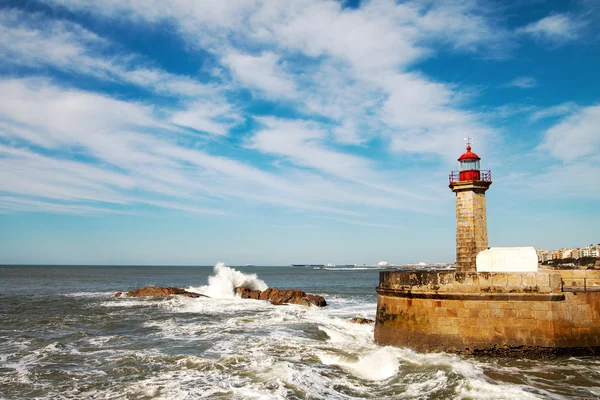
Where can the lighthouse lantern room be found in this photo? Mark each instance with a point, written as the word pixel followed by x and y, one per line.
pixel 469 166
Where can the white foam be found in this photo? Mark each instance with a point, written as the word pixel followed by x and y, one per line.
pixel 222 284
pixel 90 294
pixel 342 331
pixel 128 303
pixel 375 366
pixel 480 389
pixel 421 389
pixel 336 336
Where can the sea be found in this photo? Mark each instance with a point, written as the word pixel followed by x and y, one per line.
pixel 63 335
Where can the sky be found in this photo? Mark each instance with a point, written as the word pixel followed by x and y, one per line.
pixel 270 132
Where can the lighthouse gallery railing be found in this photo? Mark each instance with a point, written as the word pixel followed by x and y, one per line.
pixel 485 175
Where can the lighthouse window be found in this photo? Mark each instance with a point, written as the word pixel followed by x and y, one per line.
pixel 468 165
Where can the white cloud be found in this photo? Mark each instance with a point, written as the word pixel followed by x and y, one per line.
pixel 262 72
pixel 346 64
pixel 107 151
pixel 555 111
pixel 423 118
pixel 556 28
pixel 575 139
pixel 301 142
pixel 348 72
pixel 523 82
pixel 31 40
pixel 466 25
pixel 209 117
pixel 13 203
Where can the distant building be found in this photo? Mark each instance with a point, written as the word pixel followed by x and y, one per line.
pixel 575 253
pixel 570 253
pixel 544 255
pixel 592 250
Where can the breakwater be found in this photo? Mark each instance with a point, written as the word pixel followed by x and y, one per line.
pixel 482 312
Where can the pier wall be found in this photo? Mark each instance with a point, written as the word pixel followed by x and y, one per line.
pixel 471 312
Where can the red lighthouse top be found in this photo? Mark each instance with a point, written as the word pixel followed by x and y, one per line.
pixel 469 168
pixel 469 155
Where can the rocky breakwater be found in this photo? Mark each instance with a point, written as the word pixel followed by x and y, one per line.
pixel 155 291
pixel 280 297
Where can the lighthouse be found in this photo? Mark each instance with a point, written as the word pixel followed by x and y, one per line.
pixel 470 184
pixel 497 302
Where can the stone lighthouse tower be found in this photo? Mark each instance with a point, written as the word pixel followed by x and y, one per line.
pixel 470 184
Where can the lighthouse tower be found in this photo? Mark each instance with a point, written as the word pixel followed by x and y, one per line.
pixel 470 184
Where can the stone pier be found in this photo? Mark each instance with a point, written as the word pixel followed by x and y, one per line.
pixel 470 312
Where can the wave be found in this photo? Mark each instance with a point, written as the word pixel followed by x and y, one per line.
pixel 222 284
pixel 374 366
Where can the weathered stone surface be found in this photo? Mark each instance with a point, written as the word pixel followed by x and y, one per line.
pixel 471 222
pixel 475 317
pixel 155 291
pixel 280 297
pixel 361 321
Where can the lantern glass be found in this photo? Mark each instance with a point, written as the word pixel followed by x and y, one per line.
pixel 469 165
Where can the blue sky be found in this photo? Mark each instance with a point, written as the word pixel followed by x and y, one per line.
pixel 276 132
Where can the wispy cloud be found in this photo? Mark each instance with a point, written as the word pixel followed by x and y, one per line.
pixel 355 61
pixel 345 78
pixel 523 82
pixel 107 151
pixel 33 41
pixel 262 72
pixel 555 28
pixel 558 110
pixel 575 139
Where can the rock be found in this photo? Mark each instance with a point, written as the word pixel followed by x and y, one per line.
pixel 118 294
pixel 156 291
pixel 318 301
pixel 362 321
pixel 281 297
pixel 246 293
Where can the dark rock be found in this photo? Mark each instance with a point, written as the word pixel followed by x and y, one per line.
pixel 281 297
pixel 318 301
pixel 155 291
pixel 358 320
pixel 118 294
pixel 246 293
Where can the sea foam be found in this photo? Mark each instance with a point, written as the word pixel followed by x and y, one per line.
pixel 221 285
pixel 374 366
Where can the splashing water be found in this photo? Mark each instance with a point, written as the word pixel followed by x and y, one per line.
pixel 375 366
pixel 221 285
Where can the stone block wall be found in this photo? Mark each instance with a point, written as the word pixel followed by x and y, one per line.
pixel 580 280
pixel 471 222
pixel 485 312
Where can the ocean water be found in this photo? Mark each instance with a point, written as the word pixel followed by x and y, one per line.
pixel 64 336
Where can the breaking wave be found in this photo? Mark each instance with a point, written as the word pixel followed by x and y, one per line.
pixel 221 285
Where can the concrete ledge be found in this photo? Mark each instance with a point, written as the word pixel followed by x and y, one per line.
pixel 473 296
pixel 582 289
pixel 472 282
